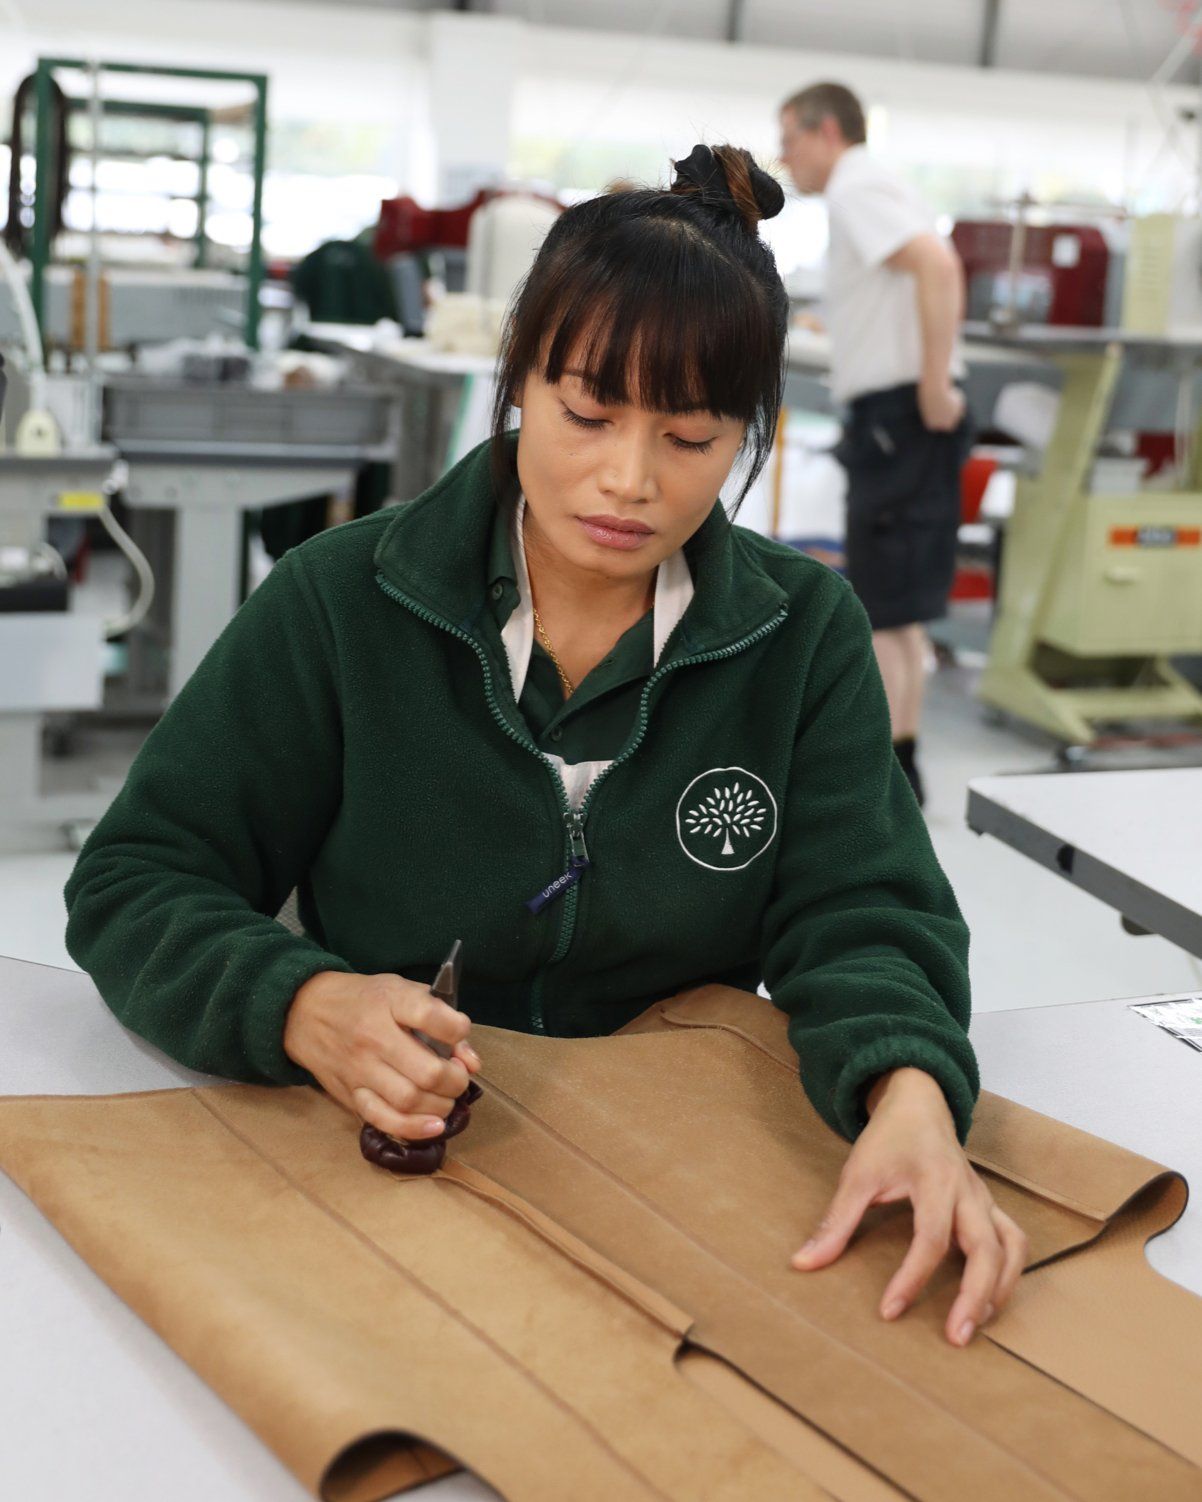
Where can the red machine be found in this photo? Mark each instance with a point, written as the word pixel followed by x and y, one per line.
pixel 405 226
pixel 1062 275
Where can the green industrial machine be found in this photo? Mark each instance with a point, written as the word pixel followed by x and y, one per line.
pixel 1098 590
pixel 44 152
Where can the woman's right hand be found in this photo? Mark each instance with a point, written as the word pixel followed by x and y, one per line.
pixel 353 1034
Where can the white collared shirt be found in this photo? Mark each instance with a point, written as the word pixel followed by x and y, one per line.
pixel 872 310
pixel 673 592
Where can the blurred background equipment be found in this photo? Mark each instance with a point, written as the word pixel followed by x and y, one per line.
pixel 142 399
pixel 1047 273
pixel 504 235
pixel 483 247
pixel 453 271
pixel 1102 576
pixel 1163 290
pixel 206 410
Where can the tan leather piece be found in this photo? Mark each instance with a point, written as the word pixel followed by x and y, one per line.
pixel 1126 1200
pixel 283 1285
pixel 1136 1345
pixel 1084 1175
pixel 842 1475
pixel 523 1311
pixel 723 1168
pixel 382 1465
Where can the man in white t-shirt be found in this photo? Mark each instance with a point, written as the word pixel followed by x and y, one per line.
pixel 894 302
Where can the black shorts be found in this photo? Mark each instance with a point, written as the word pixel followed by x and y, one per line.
pixel 903 507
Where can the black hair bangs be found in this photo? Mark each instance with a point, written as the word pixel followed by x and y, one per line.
pixel 649 307
pixel 651 332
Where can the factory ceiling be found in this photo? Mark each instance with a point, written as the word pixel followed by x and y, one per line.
pixel 1091 38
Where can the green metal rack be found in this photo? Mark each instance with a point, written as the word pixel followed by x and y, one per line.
pixel 185 114
pixel 40 254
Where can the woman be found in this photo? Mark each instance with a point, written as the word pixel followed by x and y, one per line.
pixel 561 708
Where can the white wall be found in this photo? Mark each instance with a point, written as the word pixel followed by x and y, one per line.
pixel 336 61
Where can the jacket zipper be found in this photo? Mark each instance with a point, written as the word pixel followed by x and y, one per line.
pixel 571 818
pixel 567 930
pixel 578 859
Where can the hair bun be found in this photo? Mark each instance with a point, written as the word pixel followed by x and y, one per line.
pixel 768 192
pixel 727 178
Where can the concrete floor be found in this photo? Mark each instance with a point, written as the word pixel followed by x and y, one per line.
pixel 1036 940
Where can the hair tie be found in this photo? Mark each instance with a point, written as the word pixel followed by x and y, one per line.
pixel 702 170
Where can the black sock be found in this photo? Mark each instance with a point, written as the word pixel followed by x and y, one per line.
pixel 905 750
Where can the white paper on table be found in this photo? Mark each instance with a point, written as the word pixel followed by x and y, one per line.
pixel 1180 1016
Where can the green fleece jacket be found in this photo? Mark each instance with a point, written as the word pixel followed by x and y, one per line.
pixel 350 736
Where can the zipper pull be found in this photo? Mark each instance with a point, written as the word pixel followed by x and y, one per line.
pixel 576 869
pixel 578 864
pixel 576 837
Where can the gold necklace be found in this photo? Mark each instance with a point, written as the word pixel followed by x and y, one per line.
pixel 568 688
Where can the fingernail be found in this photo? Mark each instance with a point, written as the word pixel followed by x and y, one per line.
pixel 433 1125
pixel 470 1053
pixel 988 1315
pixel 893 1308
pixel 965 1332
pixel 806 1251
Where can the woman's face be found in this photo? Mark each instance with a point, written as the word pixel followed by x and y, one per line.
pixel 616 490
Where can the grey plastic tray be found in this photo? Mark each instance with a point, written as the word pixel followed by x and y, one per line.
pixel 138 410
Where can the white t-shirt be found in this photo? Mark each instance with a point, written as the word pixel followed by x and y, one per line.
pixel 871 310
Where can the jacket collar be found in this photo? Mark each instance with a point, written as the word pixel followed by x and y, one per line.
pixel 436 550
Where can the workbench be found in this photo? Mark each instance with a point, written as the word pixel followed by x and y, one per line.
pixel 198 458
pixel 97 1407
pixel 430 387
pixel 1131 839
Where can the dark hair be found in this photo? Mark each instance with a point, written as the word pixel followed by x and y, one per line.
pixel 834 100
pixel 668 299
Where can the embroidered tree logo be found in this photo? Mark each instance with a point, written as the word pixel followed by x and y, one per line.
pixel 726 811
pixel 726 818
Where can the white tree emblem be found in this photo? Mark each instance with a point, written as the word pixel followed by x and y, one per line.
pixel 731 810
pixel 726 818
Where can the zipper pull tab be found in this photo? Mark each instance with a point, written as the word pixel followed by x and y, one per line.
pixel 578 864
pixel 576 869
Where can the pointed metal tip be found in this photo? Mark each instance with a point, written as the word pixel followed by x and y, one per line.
pixel 446 982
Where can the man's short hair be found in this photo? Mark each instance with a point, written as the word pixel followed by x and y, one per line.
pixel 820 100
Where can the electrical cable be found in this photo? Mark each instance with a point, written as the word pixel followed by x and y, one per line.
pixel 137 612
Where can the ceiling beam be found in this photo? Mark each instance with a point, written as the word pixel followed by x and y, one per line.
pixel 734 20
pixel 990 22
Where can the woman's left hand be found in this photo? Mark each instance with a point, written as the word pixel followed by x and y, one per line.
pixel 909 1150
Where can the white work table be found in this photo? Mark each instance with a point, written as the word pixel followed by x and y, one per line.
pixel 95 1406
pixel 1131 839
